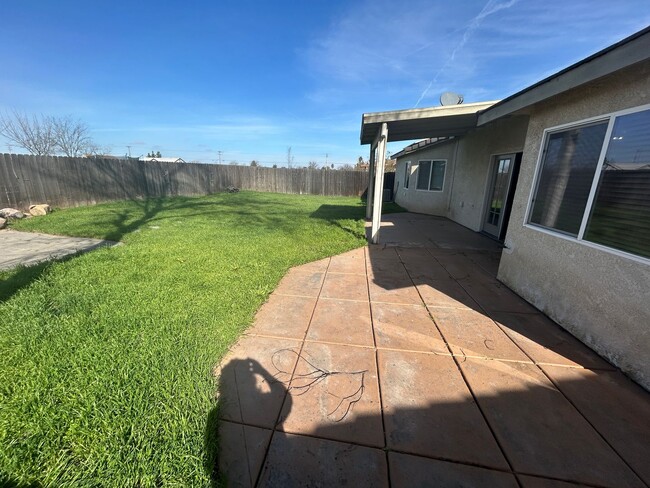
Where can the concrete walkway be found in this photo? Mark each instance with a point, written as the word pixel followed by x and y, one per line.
pixel 27 248
pixel 413 366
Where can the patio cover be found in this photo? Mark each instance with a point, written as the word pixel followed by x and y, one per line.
pixel 420 123
pixel 378 128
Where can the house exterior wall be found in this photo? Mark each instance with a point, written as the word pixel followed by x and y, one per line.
pixel 474 158
pixel 600 297
pixel 469 159
pixel 423 201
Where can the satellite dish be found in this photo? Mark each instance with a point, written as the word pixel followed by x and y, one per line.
pixel 451 98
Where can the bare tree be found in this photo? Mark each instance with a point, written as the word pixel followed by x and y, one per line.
pixel 71 136
pixel 47 135
pixel 312 165
pixel 346 167
pixel 95 150
pixel 35 134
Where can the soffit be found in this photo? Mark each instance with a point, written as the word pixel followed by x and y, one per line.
pixel 420 123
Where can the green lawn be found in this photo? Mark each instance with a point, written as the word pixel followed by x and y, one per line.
pixel 106 358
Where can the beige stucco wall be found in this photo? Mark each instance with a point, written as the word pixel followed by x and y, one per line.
pixel 463 198
pixel 600 297
pixel 475 154
pixel 422 201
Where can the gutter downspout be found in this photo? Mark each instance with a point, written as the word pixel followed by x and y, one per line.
pixel 453 177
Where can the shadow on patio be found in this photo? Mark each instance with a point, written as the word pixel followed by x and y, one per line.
pixel 509 423
pixel 412 365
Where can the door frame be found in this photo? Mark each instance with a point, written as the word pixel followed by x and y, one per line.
pixel 508 197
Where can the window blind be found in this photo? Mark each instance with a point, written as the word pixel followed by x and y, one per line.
pixel 566 176
pixel 620 215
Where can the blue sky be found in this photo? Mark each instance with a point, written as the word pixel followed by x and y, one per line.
pixel 251 78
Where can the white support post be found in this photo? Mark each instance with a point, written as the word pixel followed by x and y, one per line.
pixel 378 193
pixel 371 181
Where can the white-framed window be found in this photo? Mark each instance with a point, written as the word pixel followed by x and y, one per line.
pixel 431 175
pixel 407 174
pixel 592 182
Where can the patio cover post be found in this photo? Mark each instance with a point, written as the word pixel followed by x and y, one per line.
pixel 378 193
pixel 371 181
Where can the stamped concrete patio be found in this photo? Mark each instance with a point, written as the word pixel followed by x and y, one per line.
pixel 409 364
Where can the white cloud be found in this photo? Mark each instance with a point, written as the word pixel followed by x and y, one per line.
pixel 386 55
pixel 490 8
pixel 376 39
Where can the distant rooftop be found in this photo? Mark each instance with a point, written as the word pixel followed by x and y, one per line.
pixel 162 160
pixel 417 146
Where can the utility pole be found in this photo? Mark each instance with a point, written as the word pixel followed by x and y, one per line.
pixel 289 157
pixel 327 155
pixel 219 156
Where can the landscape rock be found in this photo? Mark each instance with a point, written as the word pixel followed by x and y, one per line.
pixel 3 222
pixel 41 209
pixel 11 213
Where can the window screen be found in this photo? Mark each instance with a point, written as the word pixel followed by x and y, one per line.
pixel 566 176
pixel 407 174
pixel 424 173
pixel 437 175
pixel 431 175
pixel 620 216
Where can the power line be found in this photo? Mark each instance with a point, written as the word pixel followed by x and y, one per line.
pixel 242 158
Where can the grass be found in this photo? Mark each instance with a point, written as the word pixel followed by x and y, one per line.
pixel 106 358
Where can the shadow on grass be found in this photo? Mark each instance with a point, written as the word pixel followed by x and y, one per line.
pixel 241 209
pixel 19 279
pixel 149 207
pixel 342 216
pixel 23 276
pixel 211 448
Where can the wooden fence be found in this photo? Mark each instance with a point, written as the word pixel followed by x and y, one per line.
pixel 68 182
